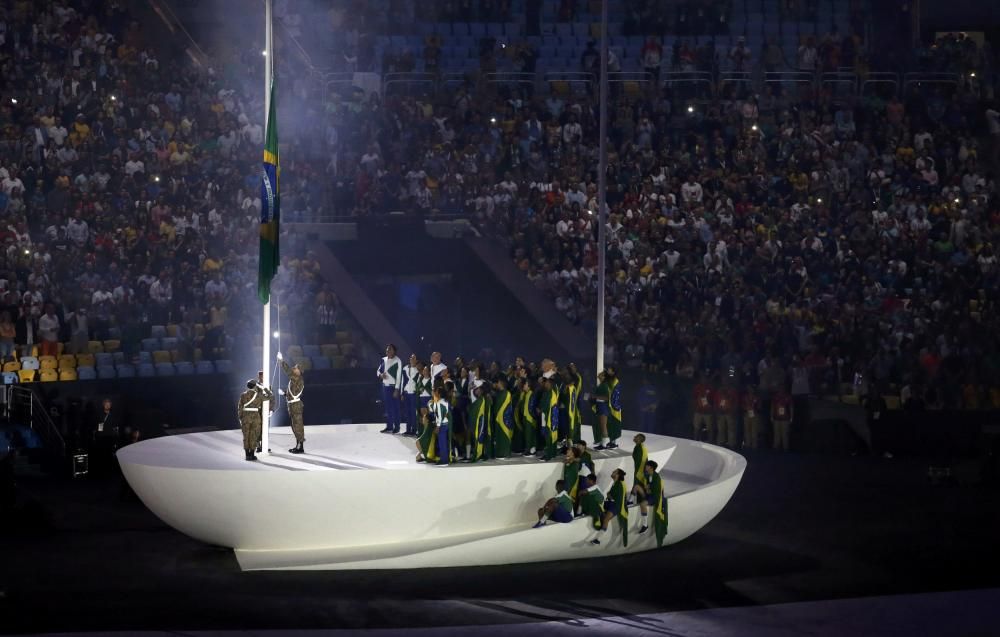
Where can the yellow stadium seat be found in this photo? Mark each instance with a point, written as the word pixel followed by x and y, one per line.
pixel 172 331
pixel 199 330
pixel 343 336
pixel 850 399
pixel 67 374
pixel 48 375
pixel 177 356
pixel 161 356
pixel 95 347
pixel 26 375
pixel 295 351
pixel 330 349
pixel 891 402
pixel 34 351
pixel 12 366
pixel 67 361
pixel 347 349
pixel 338 362
pixel 48 362
pixel 197 354
pixel 112 346
pixel 85 360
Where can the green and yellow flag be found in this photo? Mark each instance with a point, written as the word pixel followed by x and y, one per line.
pixel 270 204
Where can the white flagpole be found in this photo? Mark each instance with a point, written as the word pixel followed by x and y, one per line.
pixel 266 349
pixel 602 186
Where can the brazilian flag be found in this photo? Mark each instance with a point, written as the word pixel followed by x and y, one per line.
pixel 660 507
pixel 477 425
pixel 639 458
pixel 270 205
pixel 592 504
pixel 571 477
pixel 617 495
pixel 503 424
pixel 615 407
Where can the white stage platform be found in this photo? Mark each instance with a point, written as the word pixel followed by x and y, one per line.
pixel 359 500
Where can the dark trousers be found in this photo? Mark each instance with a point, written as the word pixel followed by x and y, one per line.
pixel 410 412
pixel 391 407
pixel 444 444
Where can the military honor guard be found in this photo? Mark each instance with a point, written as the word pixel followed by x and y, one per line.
pixel 249 410
pixel 293 401
pixel 390 372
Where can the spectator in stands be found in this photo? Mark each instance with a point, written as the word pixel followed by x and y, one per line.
pixel 48 330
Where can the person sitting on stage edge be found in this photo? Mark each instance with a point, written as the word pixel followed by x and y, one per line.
pixel 614 506
pixel 558 509
pixel 293 400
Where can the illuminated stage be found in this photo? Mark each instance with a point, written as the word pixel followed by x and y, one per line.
pixel 359 500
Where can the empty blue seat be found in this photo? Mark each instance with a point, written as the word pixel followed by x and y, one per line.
pixel 477 29
pixel 146 370
pixel 104 359
pixel 10 378
pixel 150 344
pixel 158 331
pixel 169 343
pixel 146 357
pixel 118 358
pixel 106 371
pixel 204 367
pixel 165 369
pixel 86 373
pixel 126 371
pixel 224 366
pixel 310 350
pixel 184 368
pixel 320 362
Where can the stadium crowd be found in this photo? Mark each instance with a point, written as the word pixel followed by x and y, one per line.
pixel 129 191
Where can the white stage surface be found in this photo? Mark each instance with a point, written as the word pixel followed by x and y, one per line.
pixel 357 499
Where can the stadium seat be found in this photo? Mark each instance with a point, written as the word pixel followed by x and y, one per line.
pixel 224 366
pixel 10 378
pixel 184 368
pixel 204 367
pixel 321 362
pixel 310 350
pixel 86 360
pixel 158 331
pixel 165 369
pixel 86 372
pixel 29 362
pixel 338 362
pixel 125 371
pixel 145 357
pixel 118 357
pixel 343 336
pixel 95 347
pixel 150 344
pixel 68 373
pixel 12 366
pixel 347 349
pixel 177 356
pixel 26 376
pixel 112 345
pixel 67 361
pixel 172 330
pixel 161 356
pixel 146 370
pixel 168 343
pixel 330 349
pixel 103 358
pixel 48 362
pixel 48 375
pixel 106 371
pixel 294 351
pixel 304 363
pixel 199 330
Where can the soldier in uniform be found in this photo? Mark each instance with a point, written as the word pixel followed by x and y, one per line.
pixel 293 399
pixel 248 410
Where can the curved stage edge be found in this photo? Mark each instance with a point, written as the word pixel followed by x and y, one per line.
pixel 359 500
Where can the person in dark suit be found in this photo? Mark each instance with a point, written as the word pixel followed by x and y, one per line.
pixel 105 438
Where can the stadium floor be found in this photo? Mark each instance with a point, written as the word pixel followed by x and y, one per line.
pixel 801 528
